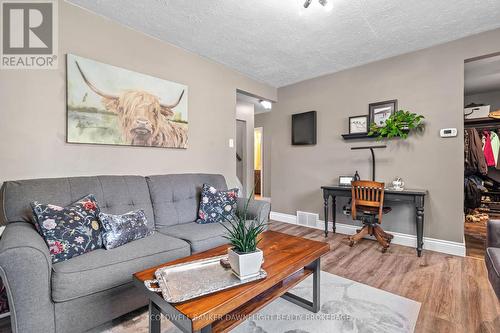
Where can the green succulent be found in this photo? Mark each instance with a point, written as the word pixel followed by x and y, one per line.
pixel 243 235
pixel 399 124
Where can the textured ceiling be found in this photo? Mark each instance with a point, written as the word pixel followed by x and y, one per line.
pixel 279 42
pixel 482 76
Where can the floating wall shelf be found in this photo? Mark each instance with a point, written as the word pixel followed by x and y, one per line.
pixel 357 136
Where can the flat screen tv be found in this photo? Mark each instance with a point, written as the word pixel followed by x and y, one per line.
pixel 304 128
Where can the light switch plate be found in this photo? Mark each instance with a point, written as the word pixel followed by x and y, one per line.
pixel 231 143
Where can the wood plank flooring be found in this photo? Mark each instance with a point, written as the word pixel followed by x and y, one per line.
pixel 454 291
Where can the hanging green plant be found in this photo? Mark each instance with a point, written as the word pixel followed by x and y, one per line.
pixel 399 124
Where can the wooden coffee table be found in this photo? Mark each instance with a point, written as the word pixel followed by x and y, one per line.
pixel 288 260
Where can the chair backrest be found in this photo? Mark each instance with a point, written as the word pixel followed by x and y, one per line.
pixel 368 194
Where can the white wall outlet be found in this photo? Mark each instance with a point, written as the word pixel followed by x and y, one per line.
pixel 231 143
pixel 448 132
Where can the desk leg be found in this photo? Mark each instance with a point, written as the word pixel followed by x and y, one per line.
pixel 334 212
pixel 420 225
pixel 325 207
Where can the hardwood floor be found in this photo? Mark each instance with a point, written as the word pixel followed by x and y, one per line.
pixel 455 292
pixel 475 239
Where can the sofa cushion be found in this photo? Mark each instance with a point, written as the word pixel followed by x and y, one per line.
pixel 115 195
pixel 122 229
pixel 69 231
pixel 176 198
pixel 201 237
pixel 217 205
pixel 104 269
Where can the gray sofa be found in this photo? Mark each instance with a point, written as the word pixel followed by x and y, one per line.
pixel 93 288
pixel 492 256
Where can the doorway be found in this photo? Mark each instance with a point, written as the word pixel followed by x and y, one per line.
pixel 258 160
pixel 482 146
pixel 241 158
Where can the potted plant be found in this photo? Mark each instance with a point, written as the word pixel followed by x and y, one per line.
pixel 243 234
pixel 399 124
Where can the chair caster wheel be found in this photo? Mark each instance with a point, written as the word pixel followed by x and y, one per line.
pixel 389 240
pixel 384 250
pixel 351 243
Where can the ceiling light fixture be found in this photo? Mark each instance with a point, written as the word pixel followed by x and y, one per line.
pixel 325 3
pixel 266 104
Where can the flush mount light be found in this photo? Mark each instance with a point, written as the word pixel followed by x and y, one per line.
pixel 266 104
pixel 324 3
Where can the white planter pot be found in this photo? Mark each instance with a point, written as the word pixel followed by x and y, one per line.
pixel 245 265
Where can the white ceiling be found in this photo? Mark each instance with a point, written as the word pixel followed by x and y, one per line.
pixel 482 76
pixel 279 42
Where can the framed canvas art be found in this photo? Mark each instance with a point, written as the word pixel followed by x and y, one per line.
pixel 379 112
pixel 115 106
pixel 358 124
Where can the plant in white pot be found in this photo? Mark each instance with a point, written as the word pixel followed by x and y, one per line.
pixel 243 234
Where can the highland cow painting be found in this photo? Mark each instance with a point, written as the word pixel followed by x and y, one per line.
pixel 112 105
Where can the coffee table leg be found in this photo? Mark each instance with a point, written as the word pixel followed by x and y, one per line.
pixel 315 305
pixel 206 329
pixel 154 318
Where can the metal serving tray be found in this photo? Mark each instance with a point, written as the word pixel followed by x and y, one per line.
pixel 182 282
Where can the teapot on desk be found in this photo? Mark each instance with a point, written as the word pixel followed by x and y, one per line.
pixel 398 184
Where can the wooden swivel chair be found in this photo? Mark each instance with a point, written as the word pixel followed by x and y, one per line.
pixel 368 206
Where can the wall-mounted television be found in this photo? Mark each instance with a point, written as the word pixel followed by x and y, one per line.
pixel 304 128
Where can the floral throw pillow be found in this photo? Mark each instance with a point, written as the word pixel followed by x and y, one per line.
pixel 122 229
pixel 217 205
pixel 69 231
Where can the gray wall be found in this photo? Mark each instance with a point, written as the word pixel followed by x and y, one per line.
pixel 33 107
pixel 429 82
pixel 245 112
pixel 491 98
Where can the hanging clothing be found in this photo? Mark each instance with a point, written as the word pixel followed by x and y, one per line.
pixel 472 194
pixel 488 150
pixel 495 145
pixel 474 156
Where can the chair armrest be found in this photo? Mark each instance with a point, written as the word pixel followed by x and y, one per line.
pixel 25 269
pixel 493 233
pixel 257 209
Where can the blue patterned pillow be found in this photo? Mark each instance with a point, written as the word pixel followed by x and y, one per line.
pixel 69 231
pixel 122 229
pixel 217 205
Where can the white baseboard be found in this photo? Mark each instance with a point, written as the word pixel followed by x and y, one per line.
pixel 432 244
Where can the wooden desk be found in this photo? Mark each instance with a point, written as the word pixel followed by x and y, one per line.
pixel 415 197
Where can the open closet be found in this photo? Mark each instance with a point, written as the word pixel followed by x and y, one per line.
pixel 481 150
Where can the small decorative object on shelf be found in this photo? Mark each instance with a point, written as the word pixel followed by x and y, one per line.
pixel 243 234
pixel 381 111
pixel 345 180
pixel 356 176
pixel 398 184
pixel 358 124
pixel 399 124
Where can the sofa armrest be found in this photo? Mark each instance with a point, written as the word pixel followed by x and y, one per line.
pixel 257 209
pixel 493 233
pixel 25 269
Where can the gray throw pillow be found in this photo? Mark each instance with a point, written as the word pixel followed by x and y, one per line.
pixel 122 229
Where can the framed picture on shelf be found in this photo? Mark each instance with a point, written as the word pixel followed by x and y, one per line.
pixel 381 111
pixel 358 124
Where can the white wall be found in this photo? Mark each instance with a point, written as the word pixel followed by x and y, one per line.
pixel 429 82
pixel 33 107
